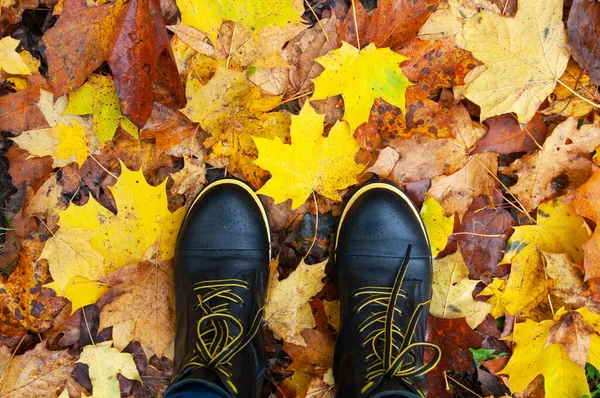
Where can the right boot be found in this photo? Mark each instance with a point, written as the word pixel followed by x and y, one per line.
pixel 221 269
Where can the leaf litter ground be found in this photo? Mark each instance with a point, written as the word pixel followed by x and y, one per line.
pixel 115 114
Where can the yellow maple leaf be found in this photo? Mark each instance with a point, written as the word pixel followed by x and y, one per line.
pixel 98 97
pixel 288 318
pixel 312 163
pixel 453 291
pixel 524 56
pixel 531 357
pixel 105 363
pixel 559 230
pixel 233 110
pixel 68 139
pixel 208 15
pixel 10 61
pixel 80 291
pixel 438 226
pixel 361 76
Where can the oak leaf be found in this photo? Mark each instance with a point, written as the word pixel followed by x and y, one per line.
pixel 98 97
pixel 10 60
pixel 312 163
pixel 288 319
pixel 232 110
pixel 361 76
pixel 525 56
pixel 438 226
pixel 37 373
pixel 584 33
pixel 558 229
pixel 208 15
pixel 453 291
pixel 565 155
pixel 144 294
pixel 105 363
pixel 130 36
pixel 531 357
pixel 586 202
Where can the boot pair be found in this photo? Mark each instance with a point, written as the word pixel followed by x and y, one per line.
pixel 384 276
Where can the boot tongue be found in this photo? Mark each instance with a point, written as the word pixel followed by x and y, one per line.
pixel 390 388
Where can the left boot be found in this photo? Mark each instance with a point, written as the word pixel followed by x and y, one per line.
pixel 221 268
pixel 384 278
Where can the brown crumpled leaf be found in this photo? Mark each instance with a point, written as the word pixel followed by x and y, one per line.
pixel 130 36
pixel 25 305
pixel 19 112
pixel 168 127
pixel 37 373
pixel 394 22
pixel 584 36
pixel 316 357
pixel 574 335
pixel 143 292
pixel 505 136
pixel 586 202
pixel 564 162
pixel 189 180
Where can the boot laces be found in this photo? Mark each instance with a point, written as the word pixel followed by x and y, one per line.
pixel 220 335
pixel 392 348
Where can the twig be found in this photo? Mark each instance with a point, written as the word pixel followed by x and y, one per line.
pixel 476 234
pixel 318 20
pixel 463 386
pixel 316 227
pixel 577 94
pixel 356 25
pixel 103 168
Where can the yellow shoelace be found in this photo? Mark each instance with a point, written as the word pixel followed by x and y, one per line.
pixel 392 349
pixel 217 344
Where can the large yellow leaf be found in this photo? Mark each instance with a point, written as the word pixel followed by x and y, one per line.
pixel 233 110
pixel 288 312
pixel 524 57
pixel 98 97
pixel 80 291
pixel 559 230
pixel 208 15
pixel 453 291
pixel 562 377
pixel 565 156
pixel 312 163
pixel 68 139
pixel 10 61
pixel 438 226
pixel 105 363
pixel 361 76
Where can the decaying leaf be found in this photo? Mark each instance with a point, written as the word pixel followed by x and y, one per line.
pixel 190 180
pixel 20 112
pixel 586 202
pixel 286 319
pixel 105 363
pixel 584 33
pixel 453 292
pixel 438 226
pixel 361 76
pixel 524 57
pixel 312 163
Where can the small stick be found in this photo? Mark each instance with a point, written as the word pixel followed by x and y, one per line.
pixel 316 226
pixel 318 20
pixel 356 25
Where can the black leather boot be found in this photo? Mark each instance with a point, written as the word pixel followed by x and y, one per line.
pixel 384 276
pixel 221 270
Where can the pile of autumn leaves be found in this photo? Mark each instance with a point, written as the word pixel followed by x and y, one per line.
pixel 233 88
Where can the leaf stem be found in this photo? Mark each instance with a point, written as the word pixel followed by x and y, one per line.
pixel 316 227
pixel 356 25
pixel 575 93
pixel 318 20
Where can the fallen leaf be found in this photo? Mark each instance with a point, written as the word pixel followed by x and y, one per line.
pixel 332 310
pixel 168 127
pixel 456 192
pixel 394 22
pixel 525 56
pixel 144 293
pixel 98 97
pixel 562 377
pixel 320 388
pixel 18 111
pixel 288 319
pixel 312 163
pixel 438 226
pixel 361 76
pixel 105 363
pixel 233 119
pixel 568 280
pixel 190 179
pixel 68 139
pixel 316 356
pixel 558 229
pixel 45 202
pixel 573 333
pixel 37 373
pixel 130 36
pixel 505 136
pixel 10 60
pixel 80 291
pixel 584 29
pixel 563 162
pixel 207 16
pixel 586 202
pixel 453 292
